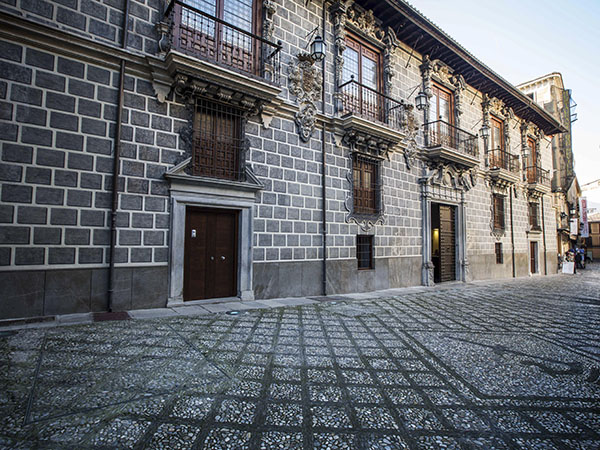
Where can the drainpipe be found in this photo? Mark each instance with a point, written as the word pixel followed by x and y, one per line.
pixel 324 164
pixel 544 237
pixel 512 233
pixel 116 166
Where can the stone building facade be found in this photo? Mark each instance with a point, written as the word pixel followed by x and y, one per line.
pixel 246 167
pixel 550 93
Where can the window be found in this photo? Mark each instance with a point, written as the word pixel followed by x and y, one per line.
pixel 217 141
pixel 532 159
pixel 499 254
pixel 441 106
pixel 361 79
pixel 364 251
pixel 534 220
pixel 498 202
pixel 497 134
pixel 366 187
pixel 595 228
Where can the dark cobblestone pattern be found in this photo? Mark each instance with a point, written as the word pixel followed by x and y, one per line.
pixel 56 168
pixel 495 366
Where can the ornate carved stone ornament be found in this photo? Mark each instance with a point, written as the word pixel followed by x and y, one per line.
pixel 436 70
pixel 411 147
pixel 269 9
pixel 305 83
pixel 365 22
pixel 367 144
pixel 189 88
pixel 449 175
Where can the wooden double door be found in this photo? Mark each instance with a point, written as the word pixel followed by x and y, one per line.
pixel 443 222
pixel 210 266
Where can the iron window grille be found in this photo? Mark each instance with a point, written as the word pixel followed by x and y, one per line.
pixel 366 186
pixel 498 204
pixel 499 254
pixel 364 251
pixel 218 148
pixel 534 218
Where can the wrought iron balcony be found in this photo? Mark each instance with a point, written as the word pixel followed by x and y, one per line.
pixel 368 103
pixel 203 36
pixel 536 175
pixel 445 141
pixel 501 159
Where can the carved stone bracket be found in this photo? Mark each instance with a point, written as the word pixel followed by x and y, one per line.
pixel 305 83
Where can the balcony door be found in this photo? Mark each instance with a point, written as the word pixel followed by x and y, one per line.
pixel 532 162
pixel 221 31
pixel 497 156
pixel 441 117
pixel 361 65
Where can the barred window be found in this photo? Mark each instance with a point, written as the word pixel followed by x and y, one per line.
pixel 498 201
pixel 364 251
pixel 534 219
pixel 366 186
pixel 217 141
pixel 499 254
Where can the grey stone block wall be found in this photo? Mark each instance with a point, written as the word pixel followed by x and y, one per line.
pixel 97 20
pixel 56 162
pixel 57 127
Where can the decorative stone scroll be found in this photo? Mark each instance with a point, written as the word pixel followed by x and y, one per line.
pixel 411 147
pixel 306 84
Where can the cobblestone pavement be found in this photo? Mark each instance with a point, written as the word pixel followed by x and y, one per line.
pixel 511 364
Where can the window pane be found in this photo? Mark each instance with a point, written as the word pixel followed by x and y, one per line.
pixel 369 73
pixel 238 13
pixel 197 21
pixel 350 65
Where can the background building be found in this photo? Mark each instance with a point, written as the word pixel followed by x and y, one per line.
pixel 248 167
pixel 550 93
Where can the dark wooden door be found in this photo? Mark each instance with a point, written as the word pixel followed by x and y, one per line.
pixel 533 251
pixel 447 243
pixel 210 254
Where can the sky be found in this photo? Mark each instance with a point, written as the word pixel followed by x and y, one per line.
pixel 524 39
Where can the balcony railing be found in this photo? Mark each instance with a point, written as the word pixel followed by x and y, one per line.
pixel 201 35
pixel 536 175
pixel 441 133
pixel 501 159
pixel 370 104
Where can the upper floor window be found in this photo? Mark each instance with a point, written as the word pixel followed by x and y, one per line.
pixel 218 137
pixel 497 134
pixel 366 186
pixel 361 61
pixel 361 79
pixel 498 208
pixel 441 104
pixel 532 148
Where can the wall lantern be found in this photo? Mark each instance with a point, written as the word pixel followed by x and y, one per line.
pixel 317 49
pixel 421 101
pixel 485 131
